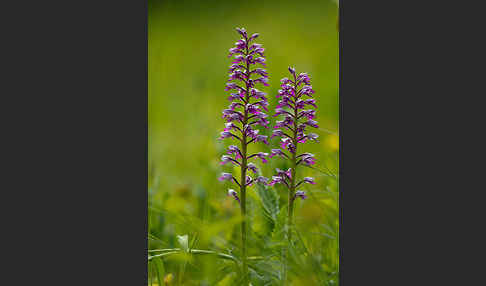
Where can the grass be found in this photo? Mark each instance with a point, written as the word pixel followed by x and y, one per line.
pixel 188 43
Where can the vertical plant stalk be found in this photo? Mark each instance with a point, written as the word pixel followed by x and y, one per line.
pixel 243 179
pixel 246 114
pixel 294 174
pixel 291 193
pixel 292 105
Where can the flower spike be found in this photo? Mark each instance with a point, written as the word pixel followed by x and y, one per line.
pixel 243 117
pixel 295 98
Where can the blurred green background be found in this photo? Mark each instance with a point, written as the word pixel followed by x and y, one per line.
pixel 188 44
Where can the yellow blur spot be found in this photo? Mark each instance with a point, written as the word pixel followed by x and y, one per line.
pixel 332 142
pixel 168 278
pixel 311 213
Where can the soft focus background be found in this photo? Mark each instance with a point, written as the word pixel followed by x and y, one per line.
pixel 188 67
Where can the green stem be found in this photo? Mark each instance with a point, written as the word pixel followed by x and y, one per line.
pixel 200 252
pixel 244 163
pixel 290 207
pixel 243 212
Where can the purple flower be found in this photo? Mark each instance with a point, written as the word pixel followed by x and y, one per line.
pixel 260 115
pixel 238 59
pixel 232 115
pixel 307 158
pixel 252 108
pixel 310 102
pixel 233 51
pixel 242 32
pixel 261 138
pixel 309 114
pixel 309 161
pixel 258 51
pixel 234 194
pixel 230 126
pixel 233 149
pixel 276 133
pixel 279 124
pixel 289 173
pixel 302 138
pixel 253 168
pixel 250 132
pixel 285 80
pixel 240 44
pixel 261 72
pixel 283 173
pixel 261 121
pixel 261 179
pixel 286 143
pixel 234 96
pixel 303 77
pixel 234 67
pixel 258 94
pixel 232 85
pixel 309 180
pixel 226 159
pixel 307 90
pixel 260 60
pixel 312 136
pixel 300 194
pixel 226 134
pixel 255 46
pixel 225 177
pixel 279 111
pixel 311 123
pixel 276 180
pixel 278 152
pixel 263 104
pixel 248 181
pixel 234 105
pixel 262 80
pixel 260 155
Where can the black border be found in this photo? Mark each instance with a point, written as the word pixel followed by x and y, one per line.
pixel 75 194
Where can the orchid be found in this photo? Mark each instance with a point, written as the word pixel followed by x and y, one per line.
pixel 297 118
pixel 245 112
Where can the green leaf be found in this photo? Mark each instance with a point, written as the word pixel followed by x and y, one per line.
pixel 159 269
pixel 279 230
pixel 269 200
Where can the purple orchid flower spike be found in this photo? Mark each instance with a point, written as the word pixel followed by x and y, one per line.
pixel 295 106
pixel 248 106
pixel 244 115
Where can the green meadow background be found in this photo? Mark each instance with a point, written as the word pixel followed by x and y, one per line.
pixel 188 44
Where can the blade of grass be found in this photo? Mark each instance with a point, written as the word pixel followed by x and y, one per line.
pixel 159 270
